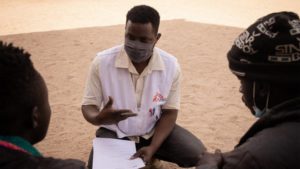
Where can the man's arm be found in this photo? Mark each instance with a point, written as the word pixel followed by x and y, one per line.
pixel 90 113
pixel 163 128
pixel 235 159
pixel 92 98
pixel 211 160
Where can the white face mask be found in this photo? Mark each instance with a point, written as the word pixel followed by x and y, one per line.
pixel 258 111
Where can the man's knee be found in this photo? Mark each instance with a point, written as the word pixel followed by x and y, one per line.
pixel 191 157
pixel 105 133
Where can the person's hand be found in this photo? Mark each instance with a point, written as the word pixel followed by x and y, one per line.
pixel 210 160
pixel 145 153
pixel 109 115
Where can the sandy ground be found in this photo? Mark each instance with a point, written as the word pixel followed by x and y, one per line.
pixel 211 106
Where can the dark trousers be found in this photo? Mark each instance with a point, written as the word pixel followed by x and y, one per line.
pixel 180 147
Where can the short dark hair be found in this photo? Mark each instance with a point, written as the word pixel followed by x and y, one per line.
pixel 144 14
pixel 18 93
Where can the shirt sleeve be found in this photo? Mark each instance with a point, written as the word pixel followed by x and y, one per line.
pixel 173 100
pixel 92 92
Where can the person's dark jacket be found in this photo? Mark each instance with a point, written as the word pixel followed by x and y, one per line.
pixel 13 159
pixel 273 142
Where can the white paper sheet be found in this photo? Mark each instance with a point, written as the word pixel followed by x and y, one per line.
pixel 115 154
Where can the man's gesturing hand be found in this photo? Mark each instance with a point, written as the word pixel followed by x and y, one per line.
pixel 109 115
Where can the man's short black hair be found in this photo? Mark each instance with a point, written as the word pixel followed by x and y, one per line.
pixel 18 92
pixel 144 14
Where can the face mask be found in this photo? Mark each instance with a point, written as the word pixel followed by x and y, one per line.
pixel 137 51
pixel 258 112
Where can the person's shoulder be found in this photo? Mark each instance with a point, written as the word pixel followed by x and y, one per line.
pixel 20 160
pixel 16 159
pixel 111 51
pixel 269 138
pixel 53 163
pixel 105 54
pixel 263 148
pixel 166 56
pixel 163 53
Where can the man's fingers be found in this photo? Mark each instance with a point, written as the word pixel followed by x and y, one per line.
pixel 125 113
pixel 146 160
pixel 128 114
pixel 135 155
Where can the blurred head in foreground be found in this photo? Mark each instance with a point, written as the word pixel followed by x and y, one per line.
pixel 24 106
pixel 266 59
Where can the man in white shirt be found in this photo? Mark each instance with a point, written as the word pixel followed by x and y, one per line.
pixel 133 92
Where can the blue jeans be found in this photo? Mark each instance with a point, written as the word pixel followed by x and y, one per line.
pixel 180 147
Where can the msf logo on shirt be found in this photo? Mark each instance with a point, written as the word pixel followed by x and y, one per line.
pixel 286 53
pixel 158 100
pixel 158 97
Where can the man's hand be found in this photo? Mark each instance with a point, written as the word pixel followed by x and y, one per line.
pixel 109 115
pixel 210 160
pixel 145 153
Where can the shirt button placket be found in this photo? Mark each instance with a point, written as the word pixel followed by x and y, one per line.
pixel 139 87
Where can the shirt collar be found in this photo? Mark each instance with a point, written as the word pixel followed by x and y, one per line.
pixel 21 143
pixel 155 63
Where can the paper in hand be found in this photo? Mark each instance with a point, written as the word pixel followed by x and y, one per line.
pixel 115 154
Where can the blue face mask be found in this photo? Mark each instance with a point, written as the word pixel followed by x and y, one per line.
pixel 137 51
pixel 258 112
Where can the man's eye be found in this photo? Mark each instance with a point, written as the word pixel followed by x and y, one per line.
pixel 131 38
pixel 146 40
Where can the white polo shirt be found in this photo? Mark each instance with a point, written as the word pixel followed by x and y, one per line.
pixel 93 94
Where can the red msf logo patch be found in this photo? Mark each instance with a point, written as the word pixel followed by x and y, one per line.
pixel 158 97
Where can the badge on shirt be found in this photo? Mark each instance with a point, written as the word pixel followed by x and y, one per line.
pixel 158 100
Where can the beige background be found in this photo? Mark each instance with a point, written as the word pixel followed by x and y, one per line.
pixel 64 36
pixel 24 16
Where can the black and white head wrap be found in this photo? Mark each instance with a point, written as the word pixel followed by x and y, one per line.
pixel 268 50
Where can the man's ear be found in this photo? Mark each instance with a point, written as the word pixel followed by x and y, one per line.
pixel 158 36
pixel 35 117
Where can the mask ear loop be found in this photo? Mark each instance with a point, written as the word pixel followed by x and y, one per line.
pixel 255 108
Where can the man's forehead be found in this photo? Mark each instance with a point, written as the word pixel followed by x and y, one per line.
pixel 137 27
